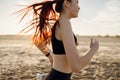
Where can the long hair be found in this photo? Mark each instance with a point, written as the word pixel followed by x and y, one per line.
pixel 44 19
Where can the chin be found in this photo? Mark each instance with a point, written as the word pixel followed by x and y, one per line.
pixel 75 16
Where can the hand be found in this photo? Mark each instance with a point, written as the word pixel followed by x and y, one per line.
pixel 94 45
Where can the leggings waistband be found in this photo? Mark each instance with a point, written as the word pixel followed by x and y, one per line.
pixel 57 75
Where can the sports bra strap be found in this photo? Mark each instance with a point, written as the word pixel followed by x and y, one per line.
pixel 54 27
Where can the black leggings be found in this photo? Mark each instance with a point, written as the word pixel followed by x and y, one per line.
pixel 57 75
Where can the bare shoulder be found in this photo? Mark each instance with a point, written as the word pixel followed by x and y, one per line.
pixel 66 34
pixel 65 27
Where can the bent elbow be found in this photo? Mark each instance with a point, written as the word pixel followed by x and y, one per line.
pixel 76 70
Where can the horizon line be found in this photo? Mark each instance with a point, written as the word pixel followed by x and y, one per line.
pixel 75 34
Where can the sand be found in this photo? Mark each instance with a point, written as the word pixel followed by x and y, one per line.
pixel 20 60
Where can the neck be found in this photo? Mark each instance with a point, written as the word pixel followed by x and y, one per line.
pixel 65 16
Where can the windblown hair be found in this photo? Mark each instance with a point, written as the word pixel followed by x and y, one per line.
pixel 44 19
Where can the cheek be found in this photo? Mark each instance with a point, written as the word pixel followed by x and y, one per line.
pixel 74 13
pixel 74 10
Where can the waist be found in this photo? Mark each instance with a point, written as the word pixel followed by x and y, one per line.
pixel 61 63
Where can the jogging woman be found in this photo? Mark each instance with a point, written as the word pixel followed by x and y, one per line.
pixel 52 23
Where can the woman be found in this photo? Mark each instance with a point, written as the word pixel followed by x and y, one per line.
pixel 52 23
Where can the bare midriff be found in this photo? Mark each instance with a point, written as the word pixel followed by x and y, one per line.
pixel 61 63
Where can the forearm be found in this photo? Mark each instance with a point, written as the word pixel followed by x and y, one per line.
pixel 84 60
pixel 46 51
pixel 43 49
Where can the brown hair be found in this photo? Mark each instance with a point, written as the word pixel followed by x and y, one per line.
pixel 44 19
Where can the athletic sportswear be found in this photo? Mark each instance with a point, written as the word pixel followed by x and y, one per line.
pixel 57 45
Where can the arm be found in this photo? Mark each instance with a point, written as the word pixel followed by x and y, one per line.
pixel 77 62
pixel 43 48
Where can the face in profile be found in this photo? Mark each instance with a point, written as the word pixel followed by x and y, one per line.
pixel 74 8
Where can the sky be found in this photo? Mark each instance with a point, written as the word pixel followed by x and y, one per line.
pixel 96 17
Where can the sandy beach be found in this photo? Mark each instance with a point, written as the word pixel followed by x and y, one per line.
pixel 20 60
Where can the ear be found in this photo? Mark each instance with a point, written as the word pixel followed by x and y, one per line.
pixel 66 3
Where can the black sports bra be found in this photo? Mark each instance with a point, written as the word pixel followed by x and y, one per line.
pixel 57 45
